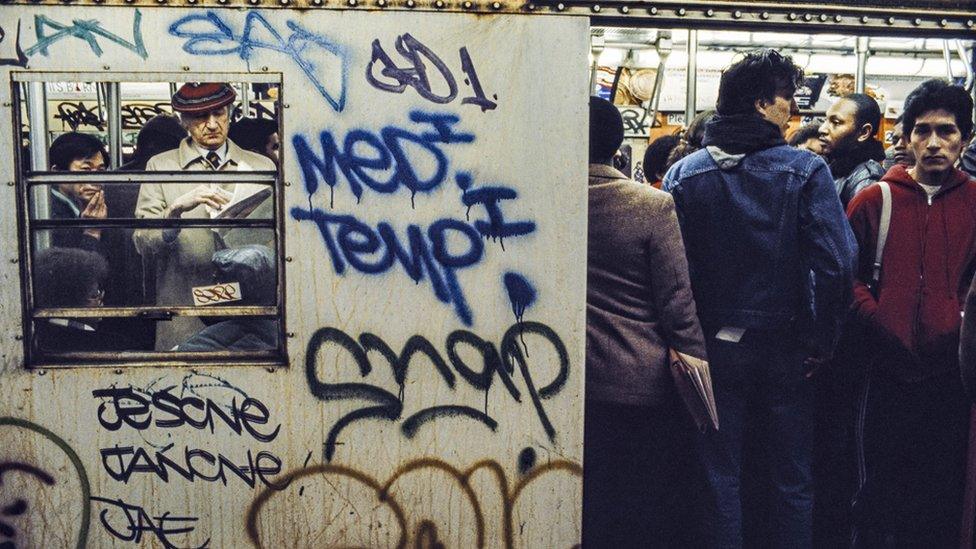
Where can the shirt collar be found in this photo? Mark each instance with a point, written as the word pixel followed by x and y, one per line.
pixel 221 152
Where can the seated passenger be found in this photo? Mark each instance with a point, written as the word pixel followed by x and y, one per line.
pixel 78 152
pixel 69 277
pixel 183 258
pixel 253 267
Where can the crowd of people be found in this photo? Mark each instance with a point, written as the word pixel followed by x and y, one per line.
pixel 118 267
pixel 825 281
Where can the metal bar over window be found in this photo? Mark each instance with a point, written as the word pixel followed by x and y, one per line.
pixel 99 312
pixel 152 223
pixel 165 178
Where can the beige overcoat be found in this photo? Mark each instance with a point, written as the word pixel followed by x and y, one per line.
pixel 186 261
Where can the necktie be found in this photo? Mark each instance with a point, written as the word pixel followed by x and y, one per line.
pixel 214 159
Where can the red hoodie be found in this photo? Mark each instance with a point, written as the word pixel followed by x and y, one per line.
pixel 927 265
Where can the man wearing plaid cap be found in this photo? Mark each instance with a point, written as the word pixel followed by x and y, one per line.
pixel 183 257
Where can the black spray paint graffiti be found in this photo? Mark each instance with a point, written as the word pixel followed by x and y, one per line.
pixel 88 31
pixel 163 409
pixel 635 122
pixel 19 505
pixel 385 405
pixel 130 460
pixel 20 60
pixel 17 509
pixel 76 115
pixel 138 522
pixel 395 78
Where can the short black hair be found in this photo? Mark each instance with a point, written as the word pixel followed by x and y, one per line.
pixel 65 277
pixel 656 156
pixel 160 133
pixel 72 146
pixel 936 94
pixel 763 74
pixel 867 110
pixel 606 130
pixel 252 133
pixel 804 134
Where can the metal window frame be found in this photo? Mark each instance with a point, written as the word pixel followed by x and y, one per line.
pixel 35 180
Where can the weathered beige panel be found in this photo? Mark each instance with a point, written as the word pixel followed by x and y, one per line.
pixel 484 473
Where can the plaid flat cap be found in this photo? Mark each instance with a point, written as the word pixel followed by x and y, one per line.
pixel 199 97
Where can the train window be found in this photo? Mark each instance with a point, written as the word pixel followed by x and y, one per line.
pixel 150 218
pixel 644 71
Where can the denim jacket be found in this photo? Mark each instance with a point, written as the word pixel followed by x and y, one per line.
pixel 769 247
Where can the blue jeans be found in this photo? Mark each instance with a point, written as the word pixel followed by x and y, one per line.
pixel 760 391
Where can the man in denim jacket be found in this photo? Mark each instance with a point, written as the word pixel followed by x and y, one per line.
pixel 771 258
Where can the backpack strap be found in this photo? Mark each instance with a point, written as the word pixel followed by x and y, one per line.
pixel 883 225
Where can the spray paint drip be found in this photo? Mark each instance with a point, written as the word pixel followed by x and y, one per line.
pixel 522 295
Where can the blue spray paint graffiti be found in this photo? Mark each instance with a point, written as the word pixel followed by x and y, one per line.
pixel 216 38
pixel 520 293
pixel 435 253
pixel 386 151
pixel 88 30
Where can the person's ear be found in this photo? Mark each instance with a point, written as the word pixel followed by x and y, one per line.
pixel 761 105
pixel 865 133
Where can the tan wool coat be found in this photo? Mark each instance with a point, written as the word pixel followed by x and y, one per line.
pixel 186 261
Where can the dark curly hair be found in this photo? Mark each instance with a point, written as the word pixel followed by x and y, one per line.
pixel 65 277
pixel 763 74
pixel 933 95
pixel 691 139
pixel 656 156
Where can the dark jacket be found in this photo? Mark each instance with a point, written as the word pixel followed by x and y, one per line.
pixel 968 161
pixel 857 168
pixel 967 343
pixel 759 227
pixel 638 298
pixel 237 334
pixel 864 175
pixel 927 266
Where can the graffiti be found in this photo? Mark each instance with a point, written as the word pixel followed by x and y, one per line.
pixel 384 152
pixel 135 115
pixel 132 460
pixel 76 115
pixel 396 79
pixel 500 361
pixel 20 506
pixel 386 495
pixel 424 253
pixel 309 51
pixel 129 407
pixel 141 409
pixel 138 522
pixel 86 30
pixel 21 59
pixel 636 123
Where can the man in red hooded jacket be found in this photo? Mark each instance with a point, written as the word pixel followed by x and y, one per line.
pixel 914 415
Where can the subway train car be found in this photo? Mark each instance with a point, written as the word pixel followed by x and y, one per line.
pixel 362 324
